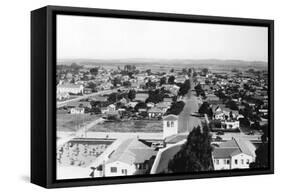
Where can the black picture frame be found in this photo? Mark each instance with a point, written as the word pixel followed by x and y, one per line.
pixel 43 95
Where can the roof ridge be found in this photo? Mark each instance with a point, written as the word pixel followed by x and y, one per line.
pixel 238 145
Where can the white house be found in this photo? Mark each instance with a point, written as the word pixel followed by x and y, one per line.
pixel 233 154
pixel 111 108
pixel 230 124
pixel 131 157
pixel 170 125
pixel 70 88
pixel 155 112
pixel 77 110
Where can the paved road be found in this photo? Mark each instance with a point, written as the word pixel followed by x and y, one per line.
pixel 229 136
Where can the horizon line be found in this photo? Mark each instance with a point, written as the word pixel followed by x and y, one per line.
pixel 167 59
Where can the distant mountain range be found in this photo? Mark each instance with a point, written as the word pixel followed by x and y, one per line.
pixel 164 61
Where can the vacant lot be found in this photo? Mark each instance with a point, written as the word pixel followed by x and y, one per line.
pixel 69 122
pixel 129 126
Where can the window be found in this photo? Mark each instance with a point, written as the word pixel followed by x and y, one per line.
pixel 236 161
pixel 138 166
pixel 242 161
pixel 218 162
pixel 113 169
pixel 227 161
pixel 248 161
pixel 172 123
pixel 124 171
pixel 168 124
pixel 224 161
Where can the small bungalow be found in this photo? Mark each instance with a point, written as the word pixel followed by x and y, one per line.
pixel 163 106
pixel 131 157
pixel 168 101
pixel 70 88
pixel 233 154
pixel 212 99
pixel 77 110
pixel 155 112
pixel 141 97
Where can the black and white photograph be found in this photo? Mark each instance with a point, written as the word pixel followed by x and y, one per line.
pixel 146 97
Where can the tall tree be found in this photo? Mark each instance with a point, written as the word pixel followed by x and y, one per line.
pixel 195 155
pixel 140 105
pixel 205 71
pixel 92 85
pixel 162 81
pixel 94 71
pixel 262 151
pixel 199 90
pixel 132 94
pixel 261 157
pixel 176 108
pixel 206 109
pixel 184 88
pixel 155 96
pixel 171 79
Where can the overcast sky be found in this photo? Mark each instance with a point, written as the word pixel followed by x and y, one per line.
pixel 111 38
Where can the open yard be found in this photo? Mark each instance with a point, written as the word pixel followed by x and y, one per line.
pixel 129 126
pixel 73 122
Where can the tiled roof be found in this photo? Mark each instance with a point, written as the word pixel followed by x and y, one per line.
pixel 234 147
pixel 155 109
pixel 131 151
pixel 225 152
pixel 176 138
pixel 170 118
pixel 141 96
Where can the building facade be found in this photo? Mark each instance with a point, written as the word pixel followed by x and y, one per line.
pixel 170 125
pixel 233 154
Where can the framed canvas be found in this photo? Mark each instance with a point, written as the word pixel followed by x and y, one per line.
pixel 126 96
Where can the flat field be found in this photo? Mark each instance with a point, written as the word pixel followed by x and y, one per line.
pixel 73 122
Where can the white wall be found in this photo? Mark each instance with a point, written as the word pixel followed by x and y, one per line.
pixel 15 95
pixel 221 165
pixel 239 159
pixel 232 165
pixel 172 129
pixel 119 165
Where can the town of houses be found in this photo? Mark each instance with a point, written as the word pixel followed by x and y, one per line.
pixel 232 104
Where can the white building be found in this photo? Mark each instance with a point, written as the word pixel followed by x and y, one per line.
pixel 77 110
pixel 70 88
pixel 170 125
pixel 155 112
pixel 231 124
pixel 131 157
pixel 233 154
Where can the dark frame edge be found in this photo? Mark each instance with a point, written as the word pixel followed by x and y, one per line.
pixel 38 97
pixel 271 91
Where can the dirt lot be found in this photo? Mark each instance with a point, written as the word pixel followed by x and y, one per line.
pixel 73 122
